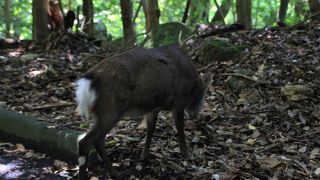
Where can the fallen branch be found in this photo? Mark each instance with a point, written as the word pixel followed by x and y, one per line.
pixel 245 77
pixel 206 67
pixel 227 29
pixel 302 22
pixel 267 148
pixel 48 106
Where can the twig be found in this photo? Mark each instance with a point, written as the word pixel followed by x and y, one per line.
pixel 78 22
pixel 186 11
pixel 182 43
pixel 219 10
pixel 267 148
pixel 90 56
pixel 48 106
pixel 298 24
pixel 206 67
pixel 303 166
pixel 245 77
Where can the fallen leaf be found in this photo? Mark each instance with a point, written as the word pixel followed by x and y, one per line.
pixel 139 167
pixel 303 149
pixel 256 133
pixel 94 178
pixel 59 164
pixel 314 153
pixel 251 141
pixel 251 127
pixel 20 148
pixel 158 155
pixel 270 162
pixel 143 124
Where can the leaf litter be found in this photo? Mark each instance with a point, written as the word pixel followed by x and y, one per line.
pixel 267 126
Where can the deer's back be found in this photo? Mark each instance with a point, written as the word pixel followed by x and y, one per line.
pixel 142 80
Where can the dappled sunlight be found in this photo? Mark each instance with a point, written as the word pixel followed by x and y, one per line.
pixel 37 72
pixel 15 53
pixel 11 170
pixel 254 65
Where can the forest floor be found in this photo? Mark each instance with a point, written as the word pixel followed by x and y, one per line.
pixel 17 162
pixel 261 117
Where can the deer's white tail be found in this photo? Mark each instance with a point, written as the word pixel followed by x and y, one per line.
pixel 85 97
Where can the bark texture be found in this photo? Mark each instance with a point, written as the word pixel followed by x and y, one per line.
pixel 224 8
pixel 152 14
pixel 127 23
pixel 244 13
pixel 88 14
pixel 40 20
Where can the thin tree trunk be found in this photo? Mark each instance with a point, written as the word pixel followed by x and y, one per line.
pixel 186 12
pixel 224 7
pixel 88 15
pixel 282 12
pixel 144 7
pixel 298 8
pixel 126 16
pixel 69 4
pixel 198 12
pixel 7 17
pixel 152 13
pixel 244 13
pixel 205 13
pixel 137 12
pixel 40 20
pixel 78 19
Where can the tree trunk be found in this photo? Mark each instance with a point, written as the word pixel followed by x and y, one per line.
pixel 199 10
pixel 40 20
pixel 186 12
pixel 282 12
pixel 299 8
pixel 69 4
pixel 152 14
pixel 127 23
pixel 61 8
pixel 7 17
pixel 88 15
pixel 137 13
pixel 314 6
pixel 244 13
pixel 224 7
pixel 55 15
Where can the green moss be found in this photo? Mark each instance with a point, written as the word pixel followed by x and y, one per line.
pixel 168 34
pixel 18 128
pixel 220 50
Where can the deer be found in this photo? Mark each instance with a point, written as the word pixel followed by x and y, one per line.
pixel 138 82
